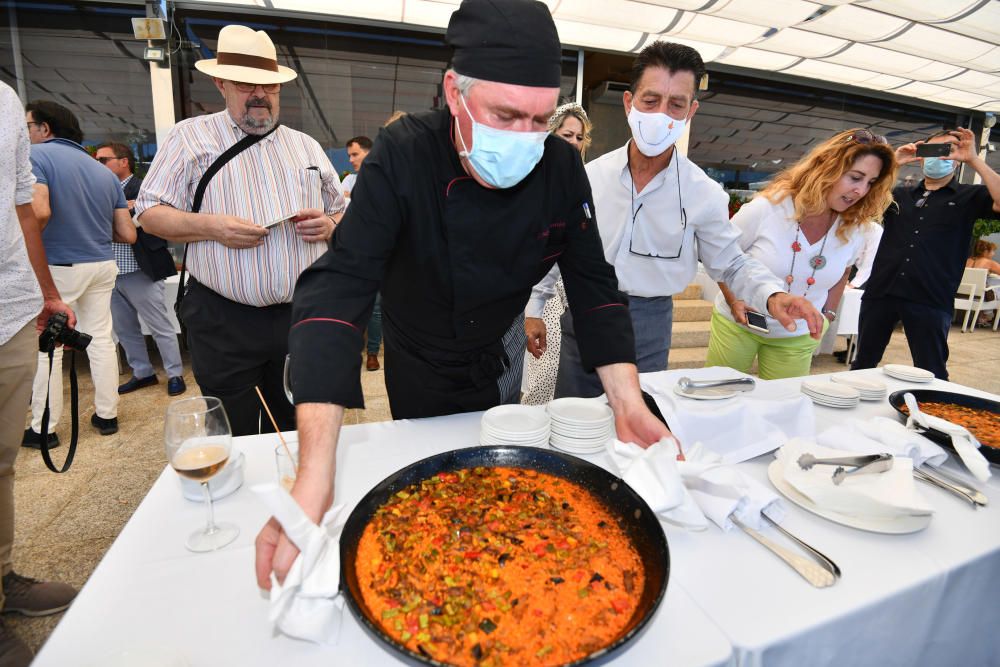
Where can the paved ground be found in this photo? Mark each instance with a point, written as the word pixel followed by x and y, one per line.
pixel 65 523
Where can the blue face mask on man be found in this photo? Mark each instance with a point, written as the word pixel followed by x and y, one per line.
pixel 935 167
pixel 502 158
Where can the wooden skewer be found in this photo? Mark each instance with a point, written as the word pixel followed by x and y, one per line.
pixel 275 423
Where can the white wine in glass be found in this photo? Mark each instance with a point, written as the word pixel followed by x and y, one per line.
pixel 198 442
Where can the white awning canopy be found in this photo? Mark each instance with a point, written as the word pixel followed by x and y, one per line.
pixel 946 52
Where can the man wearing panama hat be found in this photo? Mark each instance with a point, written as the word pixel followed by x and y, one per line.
pixel 266 214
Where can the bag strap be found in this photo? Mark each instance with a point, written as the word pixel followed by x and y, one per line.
pixel 199 193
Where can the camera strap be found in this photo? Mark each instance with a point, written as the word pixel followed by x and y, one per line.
pixel 74 409
pixel 199 193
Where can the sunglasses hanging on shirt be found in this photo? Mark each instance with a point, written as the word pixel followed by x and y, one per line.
pixel 651 253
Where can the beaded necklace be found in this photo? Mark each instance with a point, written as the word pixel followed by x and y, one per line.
pixel 817 261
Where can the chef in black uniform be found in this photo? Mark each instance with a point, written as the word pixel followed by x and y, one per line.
pixel 456 215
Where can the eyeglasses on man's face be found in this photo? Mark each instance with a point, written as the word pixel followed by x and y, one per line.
pixel 250 87
pixel 105 160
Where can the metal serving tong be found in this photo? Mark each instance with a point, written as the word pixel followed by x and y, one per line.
pixel 736 384
pixel 863 465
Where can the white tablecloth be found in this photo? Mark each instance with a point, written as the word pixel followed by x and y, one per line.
pixel 928 598
pixel 151 593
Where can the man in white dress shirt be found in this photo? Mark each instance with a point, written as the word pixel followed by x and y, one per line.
pixel 659 215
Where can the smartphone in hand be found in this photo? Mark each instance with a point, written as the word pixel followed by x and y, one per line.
pixel 934 150
pixel 756 321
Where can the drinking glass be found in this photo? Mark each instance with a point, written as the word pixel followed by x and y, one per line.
pixel 198 442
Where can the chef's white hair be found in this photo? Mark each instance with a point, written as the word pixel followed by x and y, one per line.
pixel 464 83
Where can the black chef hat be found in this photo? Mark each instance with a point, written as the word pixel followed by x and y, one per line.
pixel 508 41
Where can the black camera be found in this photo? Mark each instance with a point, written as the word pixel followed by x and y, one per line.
pixel 58 333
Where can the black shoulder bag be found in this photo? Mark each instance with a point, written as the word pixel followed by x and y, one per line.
pixel 199 192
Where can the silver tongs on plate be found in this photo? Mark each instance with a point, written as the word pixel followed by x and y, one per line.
pixel 863 465
pixel 735 384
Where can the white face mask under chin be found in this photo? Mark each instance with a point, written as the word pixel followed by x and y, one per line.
pixel 654 133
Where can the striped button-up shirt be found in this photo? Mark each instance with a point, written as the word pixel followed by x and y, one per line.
pixel 124 256
pixel 270 181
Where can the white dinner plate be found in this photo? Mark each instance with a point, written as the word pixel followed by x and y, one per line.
pixel 863 385
pixel 832 390
pixel 906 523
pixel 706 394
pixel 515 418
pixel 583 411
pixel 907 373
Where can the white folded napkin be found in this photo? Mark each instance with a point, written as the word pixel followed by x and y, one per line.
pixel 888 494
pixel 737 429
pixel 881 434
pixel 966 445
pixel 309 604
pixel 690 492
pixel 653 474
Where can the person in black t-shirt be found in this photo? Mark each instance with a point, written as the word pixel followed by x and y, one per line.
pixel 922 255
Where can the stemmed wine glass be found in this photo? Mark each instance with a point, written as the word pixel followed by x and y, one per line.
pixel 198 442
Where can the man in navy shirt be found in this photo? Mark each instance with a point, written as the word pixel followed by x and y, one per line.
pixel 81 208
pixel 922 254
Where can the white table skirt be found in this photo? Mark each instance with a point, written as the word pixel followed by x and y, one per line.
pixel 927 598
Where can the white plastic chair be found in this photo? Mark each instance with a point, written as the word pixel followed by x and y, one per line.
pixel 973 296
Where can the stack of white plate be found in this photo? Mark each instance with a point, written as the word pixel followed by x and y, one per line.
pixel 870 390
pixel 520 425
pixel 907 373
pixel 831 394
pixel 580 425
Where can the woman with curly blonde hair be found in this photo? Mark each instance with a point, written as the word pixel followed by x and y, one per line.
pixel 807 227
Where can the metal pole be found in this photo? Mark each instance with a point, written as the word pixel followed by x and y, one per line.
pixel 15 46
pixel 579 76
pixel 161 85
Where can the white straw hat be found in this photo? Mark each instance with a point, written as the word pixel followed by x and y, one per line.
pixel 245 55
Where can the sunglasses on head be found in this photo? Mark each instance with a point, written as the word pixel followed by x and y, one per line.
pixel 865 137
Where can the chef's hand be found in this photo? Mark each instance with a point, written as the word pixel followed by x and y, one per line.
pixel 238 233
pixel 313 225
pixel 640 426
pixel 534 329
pixel 787 308
pixel 633 420
pixel 275 552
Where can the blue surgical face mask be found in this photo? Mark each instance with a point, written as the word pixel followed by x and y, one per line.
pixel 935 167
pixel 502 158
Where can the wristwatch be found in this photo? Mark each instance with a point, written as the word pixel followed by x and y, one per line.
pixel 832 314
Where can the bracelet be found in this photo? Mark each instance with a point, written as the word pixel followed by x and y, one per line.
pixel 832 314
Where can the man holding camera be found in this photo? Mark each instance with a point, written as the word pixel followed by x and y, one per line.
pixel 81 209
pixel 922 254
pixel 25 311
